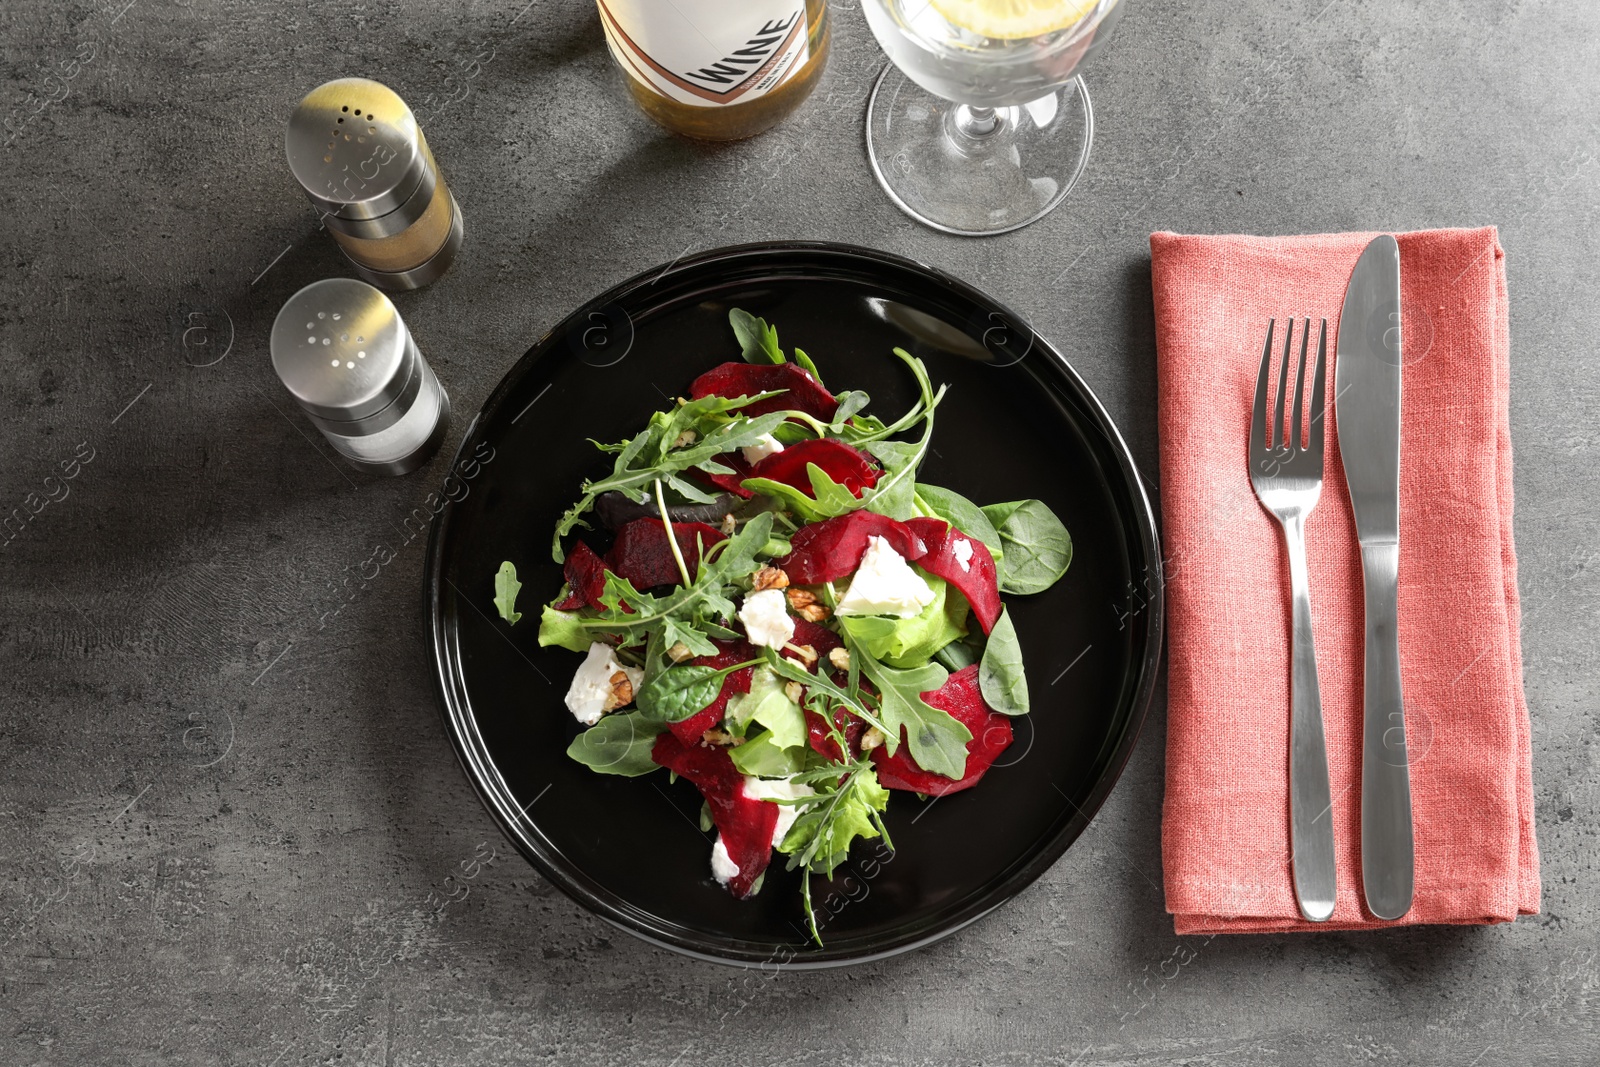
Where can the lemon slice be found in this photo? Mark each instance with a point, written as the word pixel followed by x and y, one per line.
pixel 1012 19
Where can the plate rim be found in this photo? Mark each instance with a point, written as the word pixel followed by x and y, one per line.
pixel 481 772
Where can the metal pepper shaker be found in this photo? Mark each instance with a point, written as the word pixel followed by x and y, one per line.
pixel 358 153
pixel 341 349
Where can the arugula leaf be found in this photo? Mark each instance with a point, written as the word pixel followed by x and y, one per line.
pixel 617 744
pixel 851 403
pixel 1038 548
pixel 848 803
pixel 1001 678
pixel 825 686
pixel 938 741
pixel 506 588
pixel 805 361
pixel 963 514
pixel 698 606
pixel 758 340
pixel 653 453
pixel 830 497
pixel 692 637
pixel 895 494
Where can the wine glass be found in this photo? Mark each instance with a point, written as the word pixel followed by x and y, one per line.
pixel 980 123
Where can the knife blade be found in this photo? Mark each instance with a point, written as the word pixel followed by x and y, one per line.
pixel 1367 374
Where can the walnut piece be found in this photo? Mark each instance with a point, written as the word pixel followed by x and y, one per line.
pixel 840 658
pixel 794 691
pixel 871 739
pixel 685 439
pixel 804 603
pixel 770 578
pixel 807 654
pixel 621 692
pixel 679 652
pixel 714 736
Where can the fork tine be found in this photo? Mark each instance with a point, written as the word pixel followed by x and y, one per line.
pixel 1299 388
pixel 1258 419
pixel 1283 387
pixel 1318 412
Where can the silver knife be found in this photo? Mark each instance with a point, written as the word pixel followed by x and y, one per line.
pixel 1367 405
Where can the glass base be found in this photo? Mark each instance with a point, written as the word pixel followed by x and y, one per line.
pixel 972 171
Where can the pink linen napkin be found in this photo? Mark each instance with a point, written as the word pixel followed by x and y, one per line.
pixel 1225 821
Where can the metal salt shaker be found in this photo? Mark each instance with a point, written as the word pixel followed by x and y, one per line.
pixel 359 155
pixel 341 349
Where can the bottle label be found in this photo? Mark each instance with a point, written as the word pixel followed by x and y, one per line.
pixel 708 53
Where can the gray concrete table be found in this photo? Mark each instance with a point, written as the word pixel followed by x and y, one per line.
pixel 228 811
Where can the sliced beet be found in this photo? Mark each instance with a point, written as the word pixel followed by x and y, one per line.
pixel 728 653
pixel 991 734
pixel 830 549
pixel 744 823
pixel 642 554
pixel 729 482
pixel 816 635
pixel 978 582
pixel 586 578
pixel 849 466
pixel 616 510
pixel 801 392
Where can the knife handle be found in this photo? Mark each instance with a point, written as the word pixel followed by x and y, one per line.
pixel 1387 848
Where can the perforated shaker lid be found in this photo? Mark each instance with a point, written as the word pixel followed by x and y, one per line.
pixel 355 148
pixel 342 351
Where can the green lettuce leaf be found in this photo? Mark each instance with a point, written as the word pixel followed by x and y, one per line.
pixel 765 757
pixel 911 642
pixel 564 629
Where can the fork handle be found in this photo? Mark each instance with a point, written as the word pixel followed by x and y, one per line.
pixel 1310 802
pixel 1387 848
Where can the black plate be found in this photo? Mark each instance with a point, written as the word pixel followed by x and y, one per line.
pixel 1017 422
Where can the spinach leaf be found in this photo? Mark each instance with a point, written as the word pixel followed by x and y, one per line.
pixel 506 588
pixel 758 341
pixel 1001 678
pixel 1038 548
pixel 963 514
pixel 680 692
pixel 617 744
pixel 938 741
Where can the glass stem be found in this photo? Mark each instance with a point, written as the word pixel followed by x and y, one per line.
pixel 976 121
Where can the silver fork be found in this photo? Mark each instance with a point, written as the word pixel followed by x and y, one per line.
pixel 1287 479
